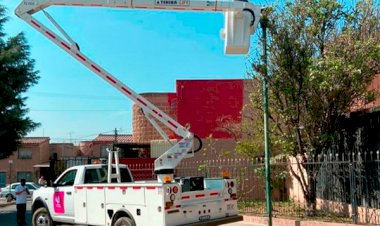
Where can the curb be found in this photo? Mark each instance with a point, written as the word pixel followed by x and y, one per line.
pixel 290 222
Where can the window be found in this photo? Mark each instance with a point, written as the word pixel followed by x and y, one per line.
pixel 91 176
pixel 104 152
pixel 124 174
pixel 31 187
pixel 24 175
pixel 67 179
pixel 99 175
pixel 24 153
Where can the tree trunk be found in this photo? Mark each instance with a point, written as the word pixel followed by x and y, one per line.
pixel 310 197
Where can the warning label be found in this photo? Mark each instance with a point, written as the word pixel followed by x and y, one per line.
pixel 173 2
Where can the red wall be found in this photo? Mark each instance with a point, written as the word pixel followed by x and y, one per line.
pixel 202 102
pixel 141 169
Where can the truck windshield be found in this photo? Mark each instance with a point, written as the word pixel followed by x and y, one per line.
pixel 67 179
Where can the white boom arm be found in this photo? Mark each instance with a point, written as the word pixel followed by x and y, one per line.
pixel 241 19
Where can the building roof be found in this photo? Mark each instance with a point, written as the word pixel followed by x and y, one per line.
pixel 121 138
pixel 34 140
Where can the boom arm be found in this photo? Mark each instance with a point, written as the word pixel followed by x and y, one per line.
pixel 241 19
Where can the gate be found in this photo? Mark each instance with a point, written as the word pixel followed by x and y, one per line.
pixel 350 185
pixel 352 182
pixel 58 166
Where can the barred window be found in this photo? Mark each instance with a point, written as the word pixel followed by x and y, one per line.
pixel 25 153
pixel 24 175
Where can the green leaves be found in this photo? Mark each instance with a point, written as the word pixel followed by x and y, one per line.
pixel 17 74
pixel 323 55
pixel 320 65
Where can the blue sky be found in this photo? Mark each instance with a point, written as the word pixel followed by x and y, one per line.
pixel 147 50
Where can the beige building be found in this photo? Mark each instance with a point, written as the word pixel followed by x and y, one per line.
pixel 24 162
pixel 33 157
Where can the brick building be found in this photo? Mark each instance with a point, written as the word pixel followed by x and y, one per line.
pixel 98 147
pixel 375 105
pixel 201 104
pixel 24 162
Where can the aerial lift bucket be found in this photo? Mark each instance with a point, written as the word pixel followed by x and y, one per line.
pixel 238 27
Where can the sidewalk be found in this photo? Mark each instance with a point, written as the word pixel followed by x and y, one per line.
pixel 243 223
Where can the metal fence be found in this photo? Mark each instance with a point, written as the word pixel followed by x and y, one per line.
pixel 249 174
pixel 58 166
pixel 353 182
pixel 347 186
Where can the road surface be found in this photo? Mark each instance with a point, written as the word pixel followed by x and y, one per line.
pixel 8 216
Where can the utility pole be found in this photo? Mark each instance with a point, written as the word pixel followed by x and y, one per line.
pixel 264 26
pixel 70 133
pixel 115 141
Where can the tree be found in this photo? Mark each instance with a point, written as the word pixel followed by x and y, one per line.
pixel 322 57
pixel 17 74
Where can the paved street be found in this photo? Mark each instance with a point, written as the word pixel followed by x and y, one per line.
pixel 8 216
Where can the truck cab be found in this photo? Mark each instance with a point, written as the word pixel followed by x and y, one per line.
pixel 57 203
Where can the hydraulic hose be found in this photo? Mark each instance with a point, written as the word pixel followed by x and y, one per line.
pixel 199 146
pixel 253 15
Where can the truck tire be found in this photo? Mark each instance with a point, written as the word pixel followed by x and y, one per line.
pixel 124 221
pixel 41 217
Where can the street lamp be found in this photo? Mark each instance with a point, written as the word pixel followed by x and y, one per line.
pixel 10 161
pixel 264 25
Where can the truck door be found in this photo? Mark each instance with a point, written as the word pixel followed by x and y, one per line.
pixel 96 212
pixel 63 201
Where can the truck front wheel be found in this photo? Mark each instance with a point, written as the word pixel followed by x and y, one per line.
pixel 124 221
pixel 41 217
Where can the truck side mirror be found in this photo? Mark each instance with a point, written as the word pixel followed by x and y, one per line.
pixel 238 28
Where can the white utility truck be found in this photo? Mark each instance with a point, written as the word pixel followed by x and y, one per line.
pixel 82 195
pixel 168 200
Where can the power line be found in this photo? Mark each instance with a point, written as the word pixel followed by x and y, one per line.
pixel 88 137
pixel 76 96
pixel 82 138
